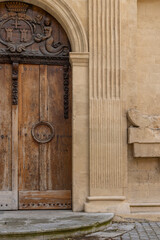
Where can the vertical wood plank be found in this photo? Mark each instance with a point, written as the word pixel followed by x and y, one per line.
pixel 28 116
pixel 43 117
pixel 15 68
pixel 5 128
pixel 60 147
pixel 15 152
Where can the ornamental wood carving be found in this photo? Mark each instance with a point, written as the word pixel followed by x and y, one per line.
pixel 66 91
pixel 15 83
pixel 30 33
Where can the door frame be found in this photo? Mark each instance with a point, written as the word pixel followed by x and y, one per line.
pixel 79 59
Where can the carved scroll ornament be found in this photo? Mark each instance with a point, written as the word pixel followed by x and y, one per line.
pixel 18 31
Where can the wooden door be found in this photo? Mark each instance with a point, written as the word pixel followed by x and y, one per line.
pixel 35 110
pixel 44 139
pixel 8 142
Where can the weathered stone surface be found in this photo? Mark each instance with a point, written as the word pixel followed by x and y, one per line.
pixel 111 232
pixel 143 120
pixel 44 225
pixel 146 150
pixel 142 92
pixel 143 135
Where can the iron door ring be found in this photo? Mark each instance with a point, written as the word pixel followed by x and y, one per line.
pixel 50 136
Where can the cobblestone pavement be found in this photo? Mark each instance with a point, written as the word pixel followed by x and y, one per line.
pixel 143 231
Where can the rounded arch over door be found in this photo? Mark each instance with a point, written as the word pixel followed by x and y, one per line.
pixel 69 20
pixel 36 111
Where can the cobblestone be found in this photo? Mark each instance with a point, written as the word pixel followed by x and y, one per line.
pixel 142 231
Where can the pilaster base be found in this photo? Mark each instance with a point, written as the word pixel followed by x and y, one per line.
pixel 114 204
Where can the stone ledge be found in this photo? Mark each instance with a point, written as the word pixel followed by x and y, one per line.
pixel 146 150
pixel 106 198
pixel 145 207
pixel 143 135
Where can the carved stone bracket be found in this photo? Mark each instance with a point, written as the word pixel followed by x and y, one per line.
pixel 15 83
pixel 144 134
pixel 66 91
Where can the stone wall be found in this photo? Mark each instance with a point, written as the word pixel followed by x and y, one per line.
pixel 123 73
pixel 144 173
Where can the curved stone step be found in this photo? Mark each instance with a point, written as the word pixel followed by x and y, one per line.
pixel 45 225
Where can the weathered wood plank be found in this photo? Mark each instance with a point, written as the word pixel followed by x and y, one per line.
pixel 43 117
pixel 60 147
pixel 28 116
pixel 15 152
pixel 5 127
pixel 8 142
pixel 45 199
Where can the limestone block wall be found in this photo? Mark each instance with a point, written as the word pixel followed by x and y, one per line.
pixel 144 173
pixel 123 74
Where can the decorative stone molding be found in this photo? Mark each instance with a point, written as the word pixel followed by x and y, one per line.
pixel 69 20
pixel 116 204
pixel 80 149
pixel 79 59
pixel 144 134
pixel 109 198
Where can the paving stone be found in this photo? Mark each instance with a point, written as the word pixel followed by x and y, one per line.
pixel 142 231
pixel 113 231
pixel 145 231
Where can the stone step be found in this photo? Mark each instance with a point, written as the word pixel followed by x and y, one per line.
pixel 46 225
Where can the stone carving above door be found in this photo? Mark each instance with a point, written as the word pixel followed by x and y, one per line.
pixel 29 33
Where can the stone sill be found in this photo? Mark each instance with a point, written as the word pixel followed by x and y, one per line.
pixel 146 142
pixel 146 150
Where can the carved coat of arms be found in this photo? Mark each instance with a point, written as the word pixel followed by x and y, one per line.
pixel 19 31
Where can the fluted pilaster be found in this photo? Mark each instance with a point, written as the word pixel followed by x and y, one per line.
pixel 107 157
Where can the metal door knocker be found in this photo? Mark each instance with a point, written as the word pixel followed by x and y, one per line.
pixel 43 132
